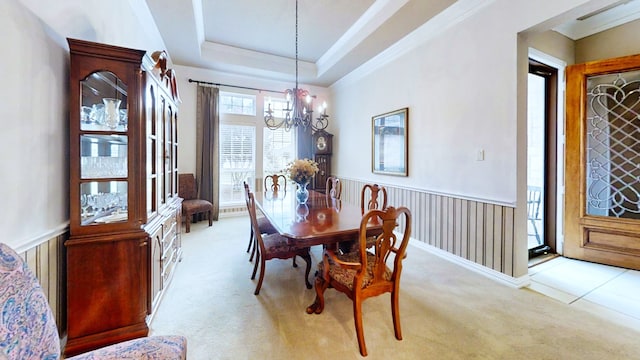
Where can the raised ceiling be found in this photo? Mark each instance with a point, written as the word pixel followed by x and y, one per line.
pixel 257 37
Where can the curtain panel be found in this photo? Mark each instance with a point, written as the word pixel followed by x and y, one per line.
pixel 207 137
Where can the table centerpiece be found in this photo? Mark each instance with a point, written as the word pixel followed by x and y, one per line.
pixel 301 171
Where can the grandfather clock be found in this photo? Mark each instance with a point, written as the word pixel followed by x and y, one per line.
pixel 322 155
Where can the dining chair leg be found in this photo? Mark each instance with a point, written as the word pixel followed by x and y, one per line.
pixel 255 246
pixel 307 259
pixel 395 312
pixel 255 265
pixel 262 265
pixel 250 239
pixel 188 223
pixel 357 317
pixel 294 262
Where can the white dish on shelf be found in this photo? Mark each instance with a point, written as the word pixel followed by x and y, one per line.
pixel 113 218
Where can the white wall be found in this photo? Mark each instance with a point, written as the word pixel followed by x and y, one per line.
pixel 460 85
pixel 34 182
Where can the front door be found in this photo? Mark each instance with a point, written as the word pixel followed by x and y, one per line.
pixel 602 214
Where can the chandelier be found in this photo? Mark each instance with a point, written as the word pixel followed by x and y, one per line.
pixel 299 110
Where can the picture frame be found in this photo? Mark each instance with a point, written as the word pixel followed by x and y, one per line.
pixel 389 143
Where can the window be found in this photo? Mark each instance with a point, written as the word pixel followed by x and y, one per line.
pixel 277 106
pixel 237 161
pixel 240 104
pixel 278 150
pixel 248 149
pixel 279 146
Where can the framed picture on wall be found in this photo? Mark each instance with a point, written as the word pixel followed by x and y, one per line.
pixel 389 142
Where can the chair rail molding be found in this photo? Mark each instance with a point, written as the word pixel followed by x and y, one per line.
pixel 481 231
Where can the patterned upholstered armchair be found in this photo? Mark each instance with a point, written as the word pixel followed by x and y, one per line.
pixel 192 207
pixel 28 330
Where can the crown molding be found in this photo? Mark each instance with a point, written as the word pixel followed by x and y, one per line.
pixel 447 19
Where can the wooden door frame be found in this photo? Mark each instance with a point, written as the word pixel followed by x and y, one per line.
pixel 550 185
pixel 604 240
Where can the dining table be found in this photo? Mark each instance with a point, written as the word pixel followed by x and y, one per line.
pixel 321 221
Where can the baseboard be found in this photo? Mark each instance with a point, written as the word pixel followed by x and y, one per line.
pixel 477 268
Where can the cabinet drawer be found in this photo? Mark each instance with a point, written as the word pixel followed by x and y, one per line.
pixel 168 266
pixel 168 247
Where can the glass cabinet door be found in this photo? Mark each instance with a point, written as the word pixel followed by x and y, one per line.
pixel 103 149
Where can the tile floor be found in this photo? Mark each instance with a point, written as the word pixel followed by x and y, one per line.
pixel 609 291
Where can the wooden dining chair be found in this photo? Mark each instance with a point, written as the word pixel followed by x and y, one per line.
pixel 264 225
pixel 275 183
pixel 274 246
pixel 372 196
pixel 363 274
pixel 333 188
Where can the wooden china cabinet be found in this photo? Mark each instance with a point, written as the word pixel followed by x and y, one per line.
pixel 124 207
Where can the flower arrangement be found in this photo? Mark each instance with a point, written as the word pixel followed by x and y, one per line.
pixel 301 171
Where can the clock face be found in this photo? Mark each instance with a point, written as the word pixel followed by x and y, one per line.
pixel 321 143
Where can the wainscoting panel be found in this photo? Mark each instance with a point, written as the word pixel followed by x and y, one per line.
pixel 478 231
pixel 47 261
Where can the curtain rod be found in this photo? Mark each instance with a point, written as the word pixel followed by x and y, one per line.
pixel 233 86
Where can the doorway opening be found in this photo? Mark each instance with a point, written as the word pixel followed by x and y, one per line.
pixel 542 154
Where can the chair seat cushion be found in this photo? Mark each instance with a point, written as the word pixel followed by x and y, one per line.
pixel 276 245
pixel 152 347
pixel 265 226
pixel 196 205
pixel 347 276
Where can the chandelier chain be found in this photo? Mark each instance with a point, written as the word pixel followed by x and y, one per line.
pixel 296 45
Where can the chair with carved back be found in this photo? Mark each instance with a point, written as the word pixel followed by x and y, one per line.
pixel 264 225
pixel 372 196
pixel 364 273
pixel 192 206
pixel 333 188
pixel 28 329
pixel 273 246
pixel 275 183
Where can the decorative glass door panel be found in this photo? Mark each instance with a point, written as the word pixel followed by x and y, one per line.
pixel 104 103
pixel 104 157
pixel 151 119
pixel 602 212
pixel 613 145
pixel 103 202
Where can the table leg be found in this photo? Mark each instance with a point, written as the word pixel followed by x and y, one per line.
pixel 318 303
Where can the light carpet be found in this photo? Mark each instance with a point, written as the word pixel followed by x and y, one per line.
pixel 447 312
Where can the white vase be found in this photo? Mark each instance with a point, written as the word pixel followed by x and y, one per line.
pixel 302 194
pixel 111 112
